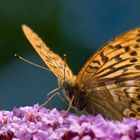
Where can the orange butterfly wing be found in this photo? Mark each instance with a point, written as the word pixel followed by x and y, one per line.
pixel 107 61
pixel 51 59
pixel 111 78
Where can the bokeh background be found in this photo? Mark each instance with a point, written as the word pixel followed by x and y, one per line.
pixel 77 28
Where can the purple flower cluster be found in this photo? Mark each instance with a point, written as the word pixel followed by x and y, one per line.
pixel 39 123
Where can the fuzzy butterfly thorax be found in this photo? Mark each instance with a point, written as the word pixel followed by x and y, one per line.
pixel 108 83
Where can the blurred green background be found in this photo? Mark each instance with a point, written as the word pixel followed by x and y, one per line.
pixel 77 28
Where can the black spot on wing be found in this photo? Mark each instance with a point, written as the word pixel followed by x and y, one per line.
pixel 137 90
pixel 118 46
pixel 136 46
pixel 138 40
pixel 103 57
pixel 127 48
pixel 138 109
pixel 132 115
pixel 137 67
pixel 133 53
pixel 117 58
pixel 138 96
pixel 133 60
pixel 96 61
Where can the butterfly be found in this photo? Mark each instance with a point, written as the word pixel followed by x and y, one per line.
pixel 108 83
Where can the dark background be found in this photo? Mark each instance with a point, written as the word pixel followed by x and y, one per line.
pixel 77 28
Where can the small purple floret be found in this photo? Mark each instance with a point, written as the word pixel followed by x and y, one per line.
pixel 39 123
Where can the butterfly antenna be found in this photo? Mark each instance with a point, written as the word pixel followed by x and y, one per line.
pixel 64 58
pixel 32 63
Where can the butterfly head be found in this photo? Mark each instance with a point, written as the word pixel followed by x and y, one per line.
pixel 67 86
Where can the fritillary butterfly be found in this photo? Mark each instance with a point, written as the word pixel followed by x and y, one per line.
pixel 108 83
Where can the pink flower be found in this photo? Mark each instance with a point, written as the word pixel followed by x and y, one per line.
pixel 39 123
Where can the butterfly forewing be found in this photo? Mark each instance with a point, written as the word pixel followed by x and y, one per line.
pixel 51 59
pixel 111 77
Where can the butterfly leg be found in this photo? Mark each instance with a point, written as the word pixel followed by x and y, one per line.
pixel 53 94
pixel 70 105
pixel 48 99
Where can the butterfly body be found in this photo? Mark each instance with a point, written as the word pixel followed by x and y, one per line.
pixel 108 83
